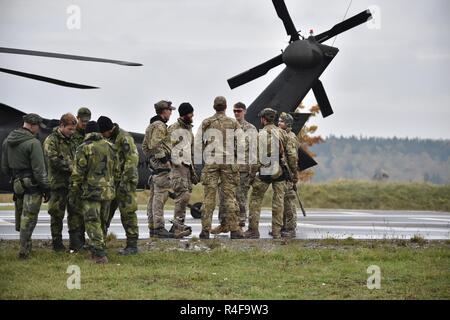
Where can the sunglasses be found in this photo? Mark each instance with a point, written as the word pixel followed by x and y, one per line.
pixel 238 111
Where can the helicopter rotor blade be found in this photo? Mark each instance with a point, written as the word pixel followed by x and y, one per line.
pixel 322 99
pixel 284 15
pixel 344 26
pixel 65 56
pixel 305 161
pixel 255 72
pixel 46 79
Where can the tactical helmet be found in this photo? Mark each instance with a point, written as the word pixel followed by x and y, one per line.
pixel 268 113
pixel 287 119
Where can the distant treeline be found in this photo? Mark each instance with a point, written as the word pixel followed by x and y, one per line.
pixel 394 159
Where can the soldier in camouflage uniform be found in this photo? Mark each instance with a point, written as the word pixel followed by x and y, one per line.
pixel 244 172
pixel 290 198
pixel 157 147
pixel 280 153
pixel 23 161
pixel 59 150
pixel 94 178
pixel 83 117
pixel 183 174
pixel 218 168
pixel 126 197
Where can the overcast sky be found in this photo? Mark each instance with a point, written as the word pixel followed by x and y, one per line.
pixel 388 82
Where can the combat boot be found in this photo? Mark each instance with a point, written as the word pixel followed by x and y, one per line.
pixel 242 223
pixel 75 243
pixel 238 234
pixel 204 234
pixel 179 229
pixel 220 229
pixel 276 235
pixel 130 249
pixel 23 256
pixel 162 233
pixel 251 234
pixel 58 246
pixel 99 260
pixel 288 234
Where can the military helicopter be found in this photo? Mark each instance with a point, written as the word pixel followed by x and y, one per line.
pixel 305 59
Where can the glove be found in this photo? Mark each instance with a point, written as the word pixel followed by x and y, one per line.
pixel 164 160
pixel 194 179
pixel 122 188
pixel 46 195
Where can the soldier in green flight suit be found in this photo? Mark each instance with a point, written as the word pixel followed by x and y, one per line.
pixel 23 161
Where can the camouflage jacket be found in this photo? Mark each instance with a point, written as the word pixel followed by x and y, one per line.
pixel 78 136
pixel 128 156
pixel 287 152
pixel 59 152
pixel 96 169
pixel 247 127
pixel 22 153
pixel 156 144
pixel 182 141
pixel 213 125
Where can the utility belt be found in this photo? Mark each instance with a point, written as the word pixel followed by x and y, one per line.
pixel 24 183
pixel 283 177
pixel 269 179
pixel 157 171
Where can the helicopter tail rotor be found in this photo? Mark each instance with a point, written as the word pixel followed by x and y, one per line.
pixel 345 26
pixel 322 99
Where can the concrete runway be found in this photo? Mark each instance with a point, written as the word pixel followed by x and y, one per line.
pixel 319 224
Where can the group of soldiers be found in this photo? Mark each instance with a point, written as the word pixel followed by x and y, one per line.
pixel 90 169
pixel 230 181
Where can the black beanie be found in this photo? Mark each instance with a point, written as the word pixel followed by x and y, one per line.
pixel 91 127
pixel 104 124
pixel 185 108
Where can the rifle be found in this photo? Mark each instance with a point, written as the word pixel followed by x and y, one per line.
pixel 289 178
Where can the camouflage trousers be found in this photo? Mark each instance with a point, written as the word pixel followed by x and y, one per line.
pixel 57 209
pixel 290 210
pixel 160 187
pixel 96 214
pixel 228 176
pixel 241 198
pixel 127 204
pixel 256 198
pixel 182 187
pixel 27 210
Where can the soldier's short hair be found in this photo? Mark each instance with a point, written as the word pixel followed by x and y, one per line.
pixel 240 105
pixel 68 119
pixel 220 103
